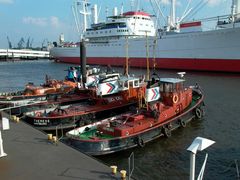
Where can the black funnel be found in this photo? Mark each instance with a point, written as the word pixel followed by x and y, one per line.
pixel 83 62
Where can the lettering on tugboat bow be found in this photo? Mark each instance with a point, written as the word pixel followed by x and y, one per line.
pixel 41 121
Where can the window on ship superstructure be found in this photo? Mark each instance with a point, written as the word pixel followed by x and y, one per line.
pixel 131 84
pixel 136 83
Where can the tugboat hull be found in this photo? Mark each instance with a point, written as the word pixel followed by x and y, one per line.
pixel 110 145
pixel 81 119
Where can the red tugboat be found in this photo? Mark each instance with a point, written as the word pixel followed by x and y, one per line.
pixel 113 95
pixel 169 105
pixel 31 91
pixel 51 93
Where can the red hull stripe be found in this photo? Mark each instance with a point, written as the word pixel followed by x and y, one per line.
pixel 224 65
pixel 132 13
pixel 191 24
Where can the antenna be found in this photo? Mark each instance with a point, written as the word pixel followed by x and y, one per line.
pixel 106 11
pixel 121 9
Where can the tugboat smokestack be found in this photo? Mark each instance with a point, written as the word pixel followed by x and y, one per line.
pixel 83 61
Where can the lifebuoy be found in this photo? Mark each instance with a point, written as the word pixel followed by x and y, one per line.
pixel 198 113
pixel 175 98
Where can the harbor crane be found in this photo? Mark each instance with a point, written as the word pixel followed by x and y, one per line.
pixel 9 43
pixel 20 43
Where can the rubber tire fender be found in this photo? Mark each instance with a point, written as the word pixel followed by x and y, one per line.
pixel 182 123
pixel 167 132
pixel 140 142
pixel 198 113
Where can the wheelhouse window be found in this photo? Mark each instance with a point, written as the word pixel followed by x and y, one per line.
pixel 171 87
pixel 136 83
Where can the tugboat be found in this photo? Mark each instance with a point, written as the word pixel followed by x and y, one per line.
pixel 37 93
pixel 51 93
pixel 111 95
pixel 168 106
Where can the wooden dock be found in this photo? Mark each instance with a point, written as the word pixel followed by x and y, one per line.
pixel 6 54
pixel 31 156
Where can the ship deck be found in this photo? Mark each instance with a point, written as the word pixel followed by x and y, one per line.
pixel 32 156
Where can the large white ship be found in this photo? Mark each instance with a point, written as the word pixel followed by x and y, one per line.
pixel 178 45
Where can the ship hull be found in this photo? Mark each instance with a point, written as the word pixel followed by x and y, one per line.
pixel 216 50
pixel 108 146
pixel 77 119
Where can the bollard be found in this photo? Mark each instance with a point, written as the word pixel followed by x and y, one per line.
pixel 2 153
pixel 50 137
pixel 17 119
pixel 123 174
pixel 114 170
pixel 54 139
pixel 14 117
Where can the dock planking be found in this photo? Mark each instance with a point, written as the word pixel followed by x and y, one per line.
pixel 32 156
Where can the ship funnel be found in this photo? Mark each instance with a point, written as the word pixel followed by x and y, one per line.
pixel 115 11
pixel 94 14
pixel 83 62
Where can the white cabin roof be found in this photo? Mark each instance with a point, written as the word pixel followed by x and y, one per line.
pixel 171 80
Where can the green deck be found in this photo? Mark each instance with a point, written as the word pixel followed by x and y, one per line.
pixel 92 133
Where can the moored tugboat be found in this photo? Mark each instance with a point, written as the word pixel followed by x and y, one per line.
pixel 168 106
pixel 51 93
pixel 112 95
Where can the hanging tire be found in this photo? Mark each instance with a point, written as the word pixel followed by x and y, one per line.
pixel 198 113
pixel 140 142
pixel 182 123
pixel 167 132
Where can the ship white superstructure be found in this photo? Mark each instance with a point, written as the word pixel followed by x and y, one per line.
pixel 179 45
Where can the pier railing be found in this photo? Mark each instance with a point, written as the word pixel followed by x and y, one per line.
pixel 23 53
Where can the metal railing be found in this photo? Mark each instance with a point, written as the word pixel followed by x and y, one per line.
pixel 59 127
pixel 130 165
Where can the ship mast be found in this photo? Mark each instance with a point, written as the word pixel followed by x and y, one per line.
pixel 173 13
pixel 127 59
pixel 84 12
pixel 147 56
pixel 235 10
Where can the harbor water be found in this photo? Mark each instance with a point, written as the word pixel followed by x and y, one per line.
pixel 165 158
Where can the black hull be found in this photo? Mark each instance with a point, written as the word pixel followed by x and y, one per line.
pixel 19 111
pixel 49 124
pixel 103 147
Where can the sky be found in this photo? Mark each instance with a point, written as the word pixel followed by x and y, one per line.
pixel 43 21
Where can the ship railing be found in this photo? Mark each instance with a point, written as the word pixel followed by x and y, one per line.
pixel 130 165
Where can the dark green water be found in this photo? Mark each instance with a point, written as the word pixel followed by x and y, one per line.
pixel 165 158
